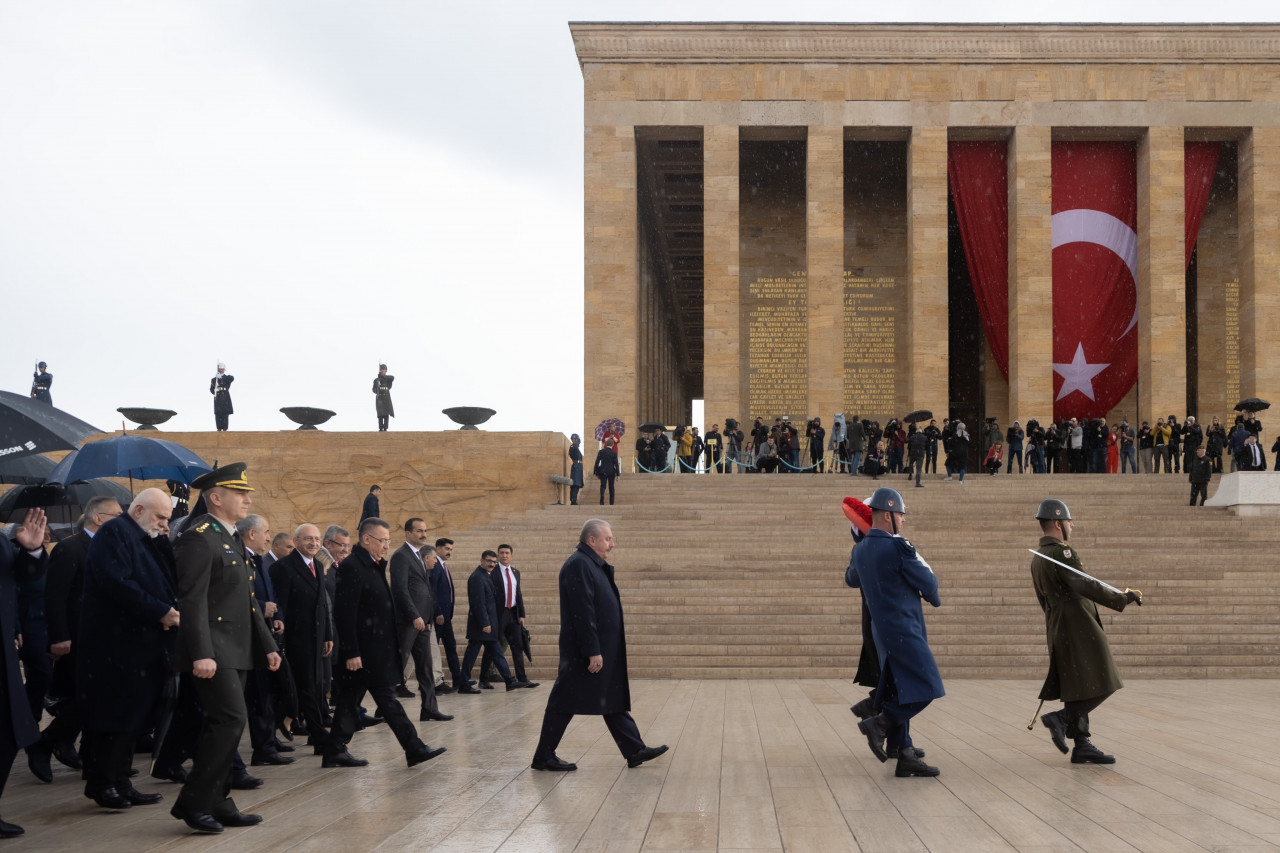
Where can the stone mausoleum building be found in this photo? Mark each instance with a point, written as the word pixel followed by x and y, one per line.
pixel 1017 221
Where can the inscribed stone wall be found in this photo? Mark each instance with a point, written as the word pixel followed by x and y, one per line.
pixel 1218 297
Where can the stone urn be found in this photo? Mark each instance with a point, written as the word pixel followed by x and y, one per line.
pixel 469 416
pixel 146 418
pixel 308 417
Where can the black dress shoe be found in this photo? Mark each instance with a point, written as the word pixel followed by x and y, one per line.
pixel 910 765
pixel 553 763
pixel 1057 727
pixel 285 747
pixel 10 830
pixel 442 689
pixel 420 755
pixel 513 685
pixel 284 730
pixel 109 798
pixel 176 774
pixel 246 782
pixel 199 821
pixel 38 760
pixel 66 755
pixel 132 771
pixel 368 721
pixel 468 689
pixel 647 753
pixel 404 692
pixel 1086 753
pixel 876 729
pixel 343 759
pixel 137 798
pixel 261 758
pixel 484 685
pixel 238 818
pixel 527 684
pixel 435 716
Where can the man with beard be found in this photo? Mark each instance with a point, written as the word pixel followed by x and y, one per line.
pixel 218 645
pixel 483 624
pixel 1081 671
pixel 125 639
pixel 370 655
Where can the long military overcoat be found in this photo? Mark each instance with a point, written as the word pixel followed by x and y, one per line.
pixel 1080 662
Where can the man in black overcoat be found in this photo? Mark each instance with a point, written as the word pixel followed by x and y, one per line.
pixel 220 388
pixel 382 398
pixel 63 588
pixel 368 649
pixel 22 558
pixel 415 607
pixel 592 678
pixel 126 639
pixel 483 624
pixel 223 638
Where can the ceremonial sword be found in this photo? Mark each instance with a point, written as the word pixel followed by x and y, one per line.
pixel 1080 573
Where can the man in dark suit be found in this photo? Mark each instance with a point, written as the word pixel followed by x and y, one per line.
pixel 415 608
pixel 370 507
pixel 220 388
pixel 510 597
pixel 21 558
pixel 444 592
pixel 592 678
pixel 370 655
pixel 259 694
pixel 281 547
pixel 607 468
pixel 125 638
pixel 1251 457
pixel 309 638
pixel 64 586
pixel 483 624
pixel 224 637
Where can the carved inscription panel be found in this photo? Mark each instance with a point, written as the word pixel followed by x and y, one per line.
pixel 776 310
pixel 870 345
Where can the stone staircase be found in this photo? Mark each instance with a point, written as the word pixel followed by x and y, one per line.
pixel 743 576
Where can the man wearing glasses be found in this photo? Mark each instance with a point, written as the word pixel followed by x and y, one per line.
pixel 369 650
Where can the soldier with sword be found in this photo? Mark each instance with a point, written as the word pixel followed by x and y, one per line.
pixel 1082 672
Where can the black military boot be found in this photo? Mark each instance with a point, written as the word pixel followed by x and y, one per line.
pixel 863 709
pixel 910 764
pixel 1056 723
pixel 876 729
pixel 1086 753
pixel 894 753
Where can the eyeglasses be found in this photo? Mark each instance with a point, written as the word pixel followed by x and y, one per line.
pixel 386 541
pixel 308 538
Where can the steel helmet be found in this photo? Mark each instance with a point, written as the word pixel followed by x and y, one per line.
pixel 1052 509
pixel 886 499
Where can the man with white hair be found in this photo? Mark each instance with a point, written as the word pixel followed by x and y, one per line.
pixel 125 643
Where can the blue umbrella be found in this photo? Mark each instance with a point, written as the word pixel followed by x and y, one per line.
pixel 130 456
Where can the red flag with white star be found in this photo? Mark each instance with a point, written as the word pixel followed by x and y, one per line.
pixel 1095 256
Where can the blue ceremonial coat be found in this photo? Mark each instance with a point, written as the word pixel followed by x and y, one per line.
pixel 894 580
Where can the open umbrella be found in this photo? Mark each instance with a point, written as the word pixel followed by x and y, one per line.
pixel 650 426
pixel 1252 404
pixel 28 426
pixel 918 415
pixel 610 425
pixel 63 505
pixel 29 470
pixel 131 456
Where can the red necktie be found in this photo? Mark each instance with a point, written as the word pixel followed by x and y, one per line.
pixel 511 588
pixel 312 567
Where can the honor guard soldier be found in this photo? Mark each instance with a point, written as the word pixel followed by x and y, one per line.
pixel 41 381
pixel 220 388
pixel 1082 672
pixel 223 637
pixel 382 394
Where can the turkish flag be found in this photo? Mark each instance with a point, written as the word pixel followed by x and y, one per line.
pixel 1095 296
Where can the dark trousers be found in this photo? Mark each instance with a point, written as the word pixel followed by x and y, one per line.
pixel 1077 460
pixel 222 699
pixel 491 650
pixel 609 482
pixel 508 638
pixel 384 423
pixel 625 733
pixel 1201 489
pixel 573 494
pixel 311 701
pixel 415 646
pixel 1015 452
pixel 899 714
pixel 351 687
pixel 108 756
pixel 444 633
pixel 931 458
pixel 260 705
pixel 1077 713
pixel 915 465
pixel 65 725
pixel 1098 462
pixel 222 422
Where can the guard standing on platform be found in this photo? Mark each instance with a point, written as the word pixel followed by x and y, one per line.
pixel 41 380
pixel 894 580
pixel 223 637
pixel 220 388
pixel 382 394
pixel 1082 672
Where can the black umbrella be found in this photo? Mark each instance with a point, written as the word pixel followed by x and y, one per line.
pixel 524 643
pixel 650 426
pixel 62 504
pixel 30 470
pixel 919 415
pixel 28 426
pixel 1252 404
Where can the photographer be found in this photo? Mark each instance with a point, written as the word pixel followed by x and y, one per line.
pixel 817 440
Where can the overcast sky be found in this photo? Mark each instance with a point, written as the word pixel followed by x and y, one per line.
pixel 303 189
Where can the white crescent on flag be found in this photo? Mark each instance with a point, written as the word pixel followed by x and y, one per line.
pixel 1093 226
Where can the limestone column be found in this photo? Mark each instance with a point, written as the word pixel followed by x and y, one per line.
pixel 927 358
pixel 1030 276
pixel 721 325
pixel 1260 264
pixel 611 341
pixel 824 242
pixel 1162 282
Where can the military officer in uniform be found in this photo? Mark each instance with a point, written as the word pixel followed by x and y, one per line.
pixel 223 637
pixel 220 388
pixel 382 395
pixel 1082 672
pixel 894 580
pixel 41 381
